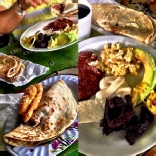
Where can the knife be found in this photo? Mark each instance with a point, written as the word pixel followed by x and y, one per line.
pixel 68 71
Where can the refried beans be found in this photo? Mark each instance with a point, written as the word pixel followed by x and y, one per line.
pixel 89 76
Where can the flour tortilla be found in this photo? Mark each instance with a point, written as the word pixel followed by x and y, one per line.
pixel 10 67
pixel 90 110
pixel 71 7
pixel 56 112
pixel 154 27
pixel 6 63
pixel 123 21
pixel 61 9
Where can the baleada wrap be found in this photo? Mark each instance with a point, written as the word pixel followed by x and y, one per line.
pixel 56 112
pixel 124 21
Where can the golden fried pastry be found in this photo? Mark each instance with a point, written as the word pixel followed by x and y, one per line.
pixel 34 104
pixel 27 98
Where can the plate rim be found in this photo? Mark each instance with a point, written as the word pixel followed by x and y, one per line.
pixel 102 38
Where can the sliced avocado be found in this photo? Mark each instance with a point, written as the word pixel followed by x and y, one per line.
pixel 142 90
pixel 62 39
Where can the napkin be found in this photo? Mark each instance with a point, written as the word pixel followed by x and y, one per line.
pixel 7 103
pixel 100 1
pixel 31 71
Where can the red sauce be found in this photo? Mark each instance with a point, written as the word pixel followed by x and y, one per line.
pixel 59 24
pixel 89 76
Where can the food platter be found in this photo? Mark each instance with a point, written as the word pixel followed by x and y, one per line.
pixel 39 26
pixel 115 143
pixel 60 143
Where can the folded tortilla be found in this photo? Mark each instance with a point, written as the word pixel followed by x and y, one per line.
pixel 56 112
pixel 67 7
pixel 90 110
pixel 124 21
pixel 10 67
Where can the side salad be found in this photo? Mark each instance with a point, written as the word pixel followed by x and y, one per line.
pixel 59 32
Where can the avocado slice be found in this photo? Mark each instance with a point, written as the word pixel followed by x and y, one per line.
pixel 142 90
pixel 62 39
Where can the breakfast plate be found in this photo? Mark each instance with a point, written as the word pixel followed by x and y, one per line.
pixel 60 143
pixel 91 140
pixel 39 27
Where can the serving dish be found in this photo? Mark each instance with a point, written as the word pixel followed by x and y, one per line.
pixel 115 143
pixel 39 26
pixel 57 145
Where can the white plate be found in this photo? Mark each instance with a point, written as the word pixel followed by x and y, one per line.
pixel 39 26
pixel 57 145
pixel 100 1
pixel 91 140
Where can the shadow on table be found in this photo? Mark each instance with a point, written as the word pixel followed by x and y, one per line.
pixel 4 40
pixel 5 153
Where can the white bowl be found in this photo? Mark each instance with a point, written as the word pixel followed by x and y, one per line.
pixel 85 23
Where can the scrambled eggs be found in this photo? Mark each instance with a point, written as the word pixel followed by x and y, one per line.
pixel 117 60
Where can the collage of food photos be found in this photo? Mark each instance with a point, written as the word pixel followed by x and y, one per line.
pixel 78 77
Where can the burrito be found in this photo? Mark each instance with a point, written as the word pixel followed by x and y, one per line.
pixel 55 113
pixel 124 21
